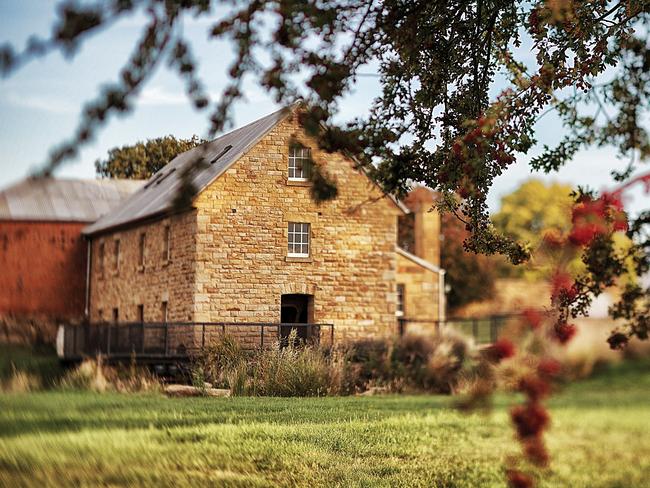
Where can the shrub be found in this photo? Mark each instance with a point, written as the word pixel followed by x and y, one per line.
pixel 412 362
pixel 20 382
pixel 216 361
pixel 94 375
pixel 41 363
pixel 415 363
pixel 291 371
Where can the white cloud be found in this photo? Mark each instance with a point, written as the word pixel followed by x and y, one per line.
pixel 153 96
pixel 44 103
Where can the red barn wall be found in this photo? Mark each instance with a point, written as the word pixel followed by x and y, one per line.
pixel 42 269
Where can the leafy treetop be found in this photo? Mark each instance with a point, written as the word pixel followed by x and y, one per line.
pixel 142 159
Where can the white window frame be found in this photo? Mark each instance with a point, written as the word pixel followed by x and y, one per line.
pixel 299 159
pixel 298 239
pixel 400 300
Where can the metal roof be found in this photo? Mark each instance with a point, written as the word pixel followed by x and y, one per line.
pixel 67 200
pixel 157 196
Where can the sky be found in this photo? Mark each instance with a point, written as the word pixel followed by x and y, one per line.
pixel 40 104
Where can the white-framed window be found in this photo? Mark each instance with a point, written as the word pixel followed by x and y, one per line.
pixel 399 311
pixel 299 239
pixel 299 163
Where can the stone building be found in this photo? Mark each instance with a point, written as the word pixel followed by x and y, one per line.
pixel 42 252
pixel 255 247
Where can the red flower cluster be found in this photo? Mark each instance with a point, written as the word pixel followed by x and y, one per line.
pixel 553 239
pixel 529 419
pixel 533 318
pixel 549 368
pixel 517 479
pixel 592 218
pixel 534 387
pixel 562 287
pixel 564 332
pixel 502 349
pixel 536 451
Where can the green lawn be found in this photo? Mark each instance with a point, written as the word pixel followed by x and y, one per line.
pixel 600 438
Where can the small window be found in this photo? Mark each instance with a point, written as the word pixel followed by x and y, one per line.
pixel 299 163
pixel 116 315
pixel 116 254
pixel 141 313
pixel 299 239
pixel 163 312
pixel 101 259
pixel 167 243
pixel 100 315
pixel 143 241
pixel 400 300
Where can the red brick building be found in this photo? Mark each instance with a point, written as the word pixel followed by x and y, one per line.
pixel 42 251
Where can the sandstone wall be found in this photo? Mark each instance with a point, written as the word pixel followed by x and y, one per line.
pixel 159 280
pixel 421 294
pixel 242 263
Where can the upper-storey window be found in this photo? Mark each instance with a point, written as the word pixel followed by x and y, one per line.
pixel 299 239
pixel 299 163
pixel 116 255
pixel 167 243
pixel 101 259
pixel 141 250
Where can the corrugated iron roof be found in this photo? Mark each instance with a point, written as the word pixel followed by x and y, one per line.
pixel 67 200
pixel 157 196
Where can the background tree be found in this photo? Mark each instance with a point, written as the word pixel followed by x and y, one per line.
pixel 143 159
pixel 533 209
pixel 470 277
pixel 528 214
pixel 460 103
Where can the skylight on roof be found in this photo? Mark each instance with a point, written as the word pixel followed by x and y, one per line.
pixel 153 179
pixel 220 155
pixel 165 176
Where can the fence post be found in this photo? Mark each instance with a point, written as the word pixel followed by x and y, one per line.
pixel 142 337
pixel 203 336
pixel 166 338
pixel 331 335
pixel 108 341
pixel 493 329
pixel 262 337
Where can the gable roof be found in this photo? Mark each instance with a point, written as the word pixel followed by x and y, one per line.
pixel 157 196
pixel 64 200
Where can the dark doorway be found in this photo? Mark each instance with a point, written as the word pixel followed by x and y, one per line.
pixel 296 309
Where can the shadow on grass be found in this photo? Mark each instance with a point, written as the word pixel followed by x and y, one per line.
pixel 74 411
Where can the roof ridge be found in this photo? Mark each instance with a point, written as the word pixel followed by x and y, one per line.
pixel 418 260
pixel 153 200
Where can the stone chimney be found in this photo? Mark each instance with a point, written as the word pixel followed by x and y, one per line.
pixel 426 224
